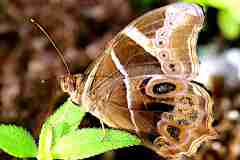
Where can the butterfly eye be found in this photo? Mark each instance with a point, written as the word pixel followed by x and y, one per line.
pixel 68 83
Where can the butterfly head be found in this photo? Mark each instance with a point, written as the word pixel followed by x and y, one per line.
pixel 73 85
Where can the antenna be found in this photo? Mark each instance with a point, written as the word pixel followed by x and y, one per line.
pixel 60 54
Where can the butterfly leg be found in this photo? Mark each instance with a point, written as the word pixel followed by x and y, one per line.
pixel 103 131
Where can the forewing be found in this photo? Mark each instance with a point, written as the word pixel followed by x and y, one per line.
pixel 168 35
pixel 161 42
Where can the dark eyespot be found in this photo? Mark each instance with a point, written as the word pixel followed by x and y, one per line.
pixel 172 67
pixel 160 43
pixel 145 81
pixel 174 132
pixel 159 107
pixel 163 54
pixel 163 88
pixel 143 84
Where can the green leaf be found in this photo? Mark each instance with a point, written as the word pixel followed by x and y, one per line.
pixel 45 143
pixel 66 119
pixel 235 13
pixel 228 25
pixel 88 142
pixel 17 142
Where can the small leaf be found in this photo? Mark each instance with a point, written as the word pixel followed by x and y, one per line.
pixel 45 143
pixel 228 25
pixel 17 142
pixel 88 142
pixel 66 119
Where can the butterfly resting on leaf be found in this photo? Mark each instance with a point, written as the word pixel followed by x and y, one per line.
pixel 143 82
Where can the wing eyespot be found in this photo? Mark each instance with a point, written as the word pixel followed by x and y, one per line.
pixel 161 38
pixel 163 88
pixel 144 84
pixel 161 42
pixel 172 68
pixel 163 54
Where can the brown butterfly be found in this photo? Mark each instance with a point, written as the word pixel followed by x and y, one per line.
pixel 142 83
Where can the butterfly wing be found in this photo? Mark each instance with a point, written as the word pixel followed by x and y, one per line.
pixel 172 123
pixel 142 83
pixel 159 49
pixel 168 34
pixel 162 42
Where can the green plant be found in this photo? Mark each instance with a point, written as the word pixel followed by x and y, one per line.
pixel 60 138
pixel 228 16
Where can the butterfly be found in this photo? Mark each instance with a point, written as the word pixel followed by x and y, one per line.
pixel 143 82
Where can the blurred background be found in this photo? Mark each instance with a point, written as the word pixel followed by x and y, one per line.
pixel 30 92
